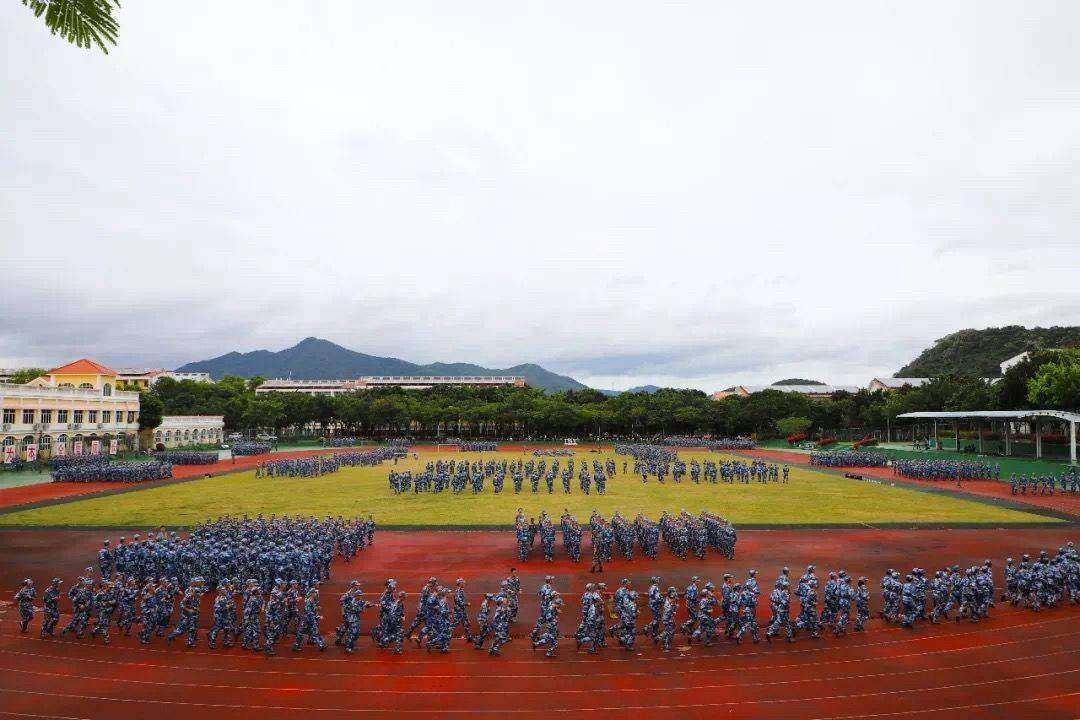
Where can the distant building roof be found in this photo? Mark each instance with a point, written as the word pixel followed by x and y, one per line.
pixel 801 389
pixel 82 366
pixel 895 383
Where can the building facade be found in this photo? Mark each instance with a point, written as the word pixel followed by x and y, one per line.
pixel 73 409
pixel 142 378
pixel 407 382
pixel 811 391
pixel 894 383
pixel 182 430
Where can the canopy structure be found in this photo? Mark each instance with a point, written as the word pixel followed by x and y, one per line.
pixel 1008 417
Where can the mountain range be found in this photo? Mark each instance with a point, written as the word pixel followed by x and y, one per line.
pixel 972 352
pixel 318 359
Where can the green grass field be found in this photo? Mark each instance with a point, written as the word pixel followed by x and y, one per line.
pixel 810 498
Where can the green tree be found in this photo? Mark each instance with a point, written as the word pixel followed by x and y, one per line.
pixel 793 425
pixel 151 410
pixel 21 377
pixel 83 23
pixel 1056 386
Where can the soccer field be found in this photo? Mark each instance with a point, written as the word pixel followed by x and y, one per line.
pixel 809 498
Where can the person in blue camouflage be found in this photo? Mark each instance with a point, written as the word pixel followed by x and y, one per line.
pixel 190 606
pixel 24 598
pixel 309 622
pixel 224 617
pixel 50 605
pixel 548 624
pixel 461 611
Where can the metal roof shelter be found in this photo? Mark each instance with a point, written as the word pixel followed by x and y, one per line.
pixel 1071 418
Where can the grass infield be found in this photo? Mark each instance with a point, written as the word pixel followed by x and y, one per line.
pixel 809 498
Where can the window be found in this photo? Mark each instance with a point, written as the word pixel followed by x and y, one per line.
pixel 28 440
pixel 78 416
pixel 66 386
pixel 28 417
pixel 86 386
pixel 131 416
pixel 62 416
pixel 91 416
pixel 62 440
pixel 106 416
pixel 9 441
pixel 106 389
pixel 46 416
pixel 9 416
pixel 46 444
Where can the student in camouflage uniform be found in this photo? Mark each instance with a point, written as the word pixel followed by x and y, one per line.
pixel 50 608
pixel 309 622
pixel 24 598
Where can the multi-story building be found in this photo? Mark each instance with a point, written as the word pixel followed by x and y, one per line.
pixel 811 391
pixel 407 382
pixel 142 378
pixel 73 409
pixel 182 430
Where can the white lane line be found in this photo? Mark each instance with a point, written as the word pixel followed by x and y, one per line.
pixel 448 710
pixel 952 708
pixel 546 691
pixel 827 647
pixel 459 676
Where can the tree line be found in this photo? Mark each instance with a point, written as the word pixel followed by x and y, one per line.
pixel 1048 380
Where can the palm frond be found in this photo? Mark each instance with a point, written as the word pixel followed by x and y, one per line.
pixel 83 23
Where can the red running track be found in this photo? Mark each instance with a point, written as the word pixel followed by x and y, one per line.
pixel 1016 665
pixel 994 489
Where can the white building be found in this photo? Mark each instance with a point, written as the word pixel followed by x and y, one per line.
pixel 142 378
pixel 894 383
pixel 73 409
pixel 812 391
pixel 408 382
pixel 182 430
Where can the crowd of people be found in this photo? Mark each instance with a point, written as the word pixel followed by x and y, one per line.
pixel 186 457
pixel 342 441
pixel 250 448
pixel 946 470
pixel 683 534
pixel 138 582
pixel 317 465
pixel 458 475
pixel 103 468
pixel 260 614
pixel 553 452
pixel 477 446
pixel 735 443
pixel 848 458
pixel 1069 482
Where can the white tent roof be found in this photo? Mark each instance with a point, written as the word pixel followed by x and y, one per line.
pixel 992 414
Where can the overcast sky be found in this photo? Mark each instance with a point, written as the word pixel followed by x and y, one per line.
pixel 695 195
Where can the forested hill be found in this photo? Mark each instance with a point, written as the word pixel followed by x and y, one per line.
pixel 979 353
pixel 317 359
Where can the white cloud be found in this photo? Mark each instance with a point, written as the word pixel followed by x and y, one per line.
pixel 697 195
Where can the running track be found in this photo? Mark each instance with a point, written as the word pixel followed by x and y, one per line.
pixel 1017 665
